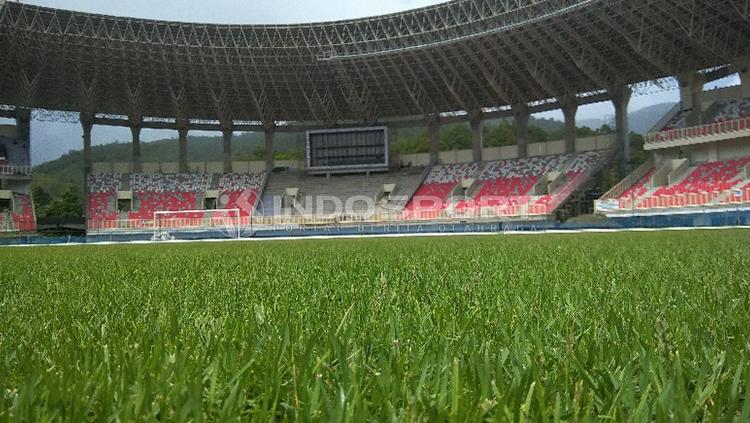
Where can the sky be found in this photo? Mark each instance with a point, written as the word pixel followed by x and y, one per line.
pixel 252 12
pixel 239 11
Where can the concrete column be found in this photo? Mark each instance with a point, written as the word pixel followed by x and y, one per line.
pixel 521 116
pixel 433 128
pixel 691 94
pixel 227 132
pixel 23 124
pixel 477 136
pixel 621 99
pixel 135 130
pixel 270 133
pixel 182 130
pixel 23 135
pixel 744 71
pixel 87 124
pixel 570 109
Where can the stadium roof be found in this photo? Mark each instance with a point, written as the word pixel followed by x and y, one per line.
pixel 463 55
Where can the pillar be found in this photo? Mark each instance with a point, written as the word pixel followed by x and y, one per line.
pixel 621 99
pixel 433 127
pixel 521 116
pixel 691 94
pixel 744 71
pixel 270 132
pixel 23 135
pixel 570 109
pixel 87 124
pixel 135 131
pixel 182 130
pixel 227 131
pixel 477 136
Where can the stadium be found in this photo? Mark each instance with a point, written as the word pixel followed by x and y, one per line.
pixel 424 328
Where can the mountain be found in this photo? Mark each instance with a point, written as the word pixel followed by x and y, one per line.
pixel 61 142
pixel 52 140
pixel 640 121
pixel 56 176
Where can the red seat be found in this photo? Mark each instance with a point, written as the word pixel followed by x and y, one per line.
pixel 23 216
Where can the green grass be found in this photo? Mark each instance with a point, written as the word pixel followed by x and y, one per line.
pixel 608 327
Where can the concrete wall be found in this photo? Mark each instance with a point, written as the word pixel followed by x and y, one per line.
pixel 721 94
pixel 734 148
pixel 500 153
pixel 197 167
pixel 418 159
pixel 8 131
pixel 17 151
pixel 709 152
pixel 599 142
pixel 546 148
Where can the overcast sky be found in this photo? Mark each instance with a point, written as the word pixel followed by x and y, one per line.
pixel 239 11
pixel 282 12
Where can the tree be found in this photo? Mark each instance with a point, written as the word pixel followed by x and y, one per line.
pixel 457 137
pixel 41 197
pixel 68 204
pixel 638 155
pixel 537 134
pixel 419 143
pixel 504 133
pixel 605 130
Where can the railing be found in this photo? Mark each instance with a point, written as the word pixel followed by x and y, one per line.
pixel 728 127
pixel 631 180
pixel 716 199
pixel 15 170
pixel 6 223
pixel 16 224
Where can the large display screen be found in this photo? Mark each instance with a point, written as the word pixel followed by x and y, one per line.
pixel 341 149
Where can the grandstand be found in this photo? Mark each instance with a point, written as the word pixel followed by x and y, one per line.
pixel 350 82
pixel 16 206
pixel 531 188
pixel 699 168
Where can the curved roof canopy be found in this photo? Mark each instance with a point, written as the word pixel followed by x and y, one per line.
pixel 463 55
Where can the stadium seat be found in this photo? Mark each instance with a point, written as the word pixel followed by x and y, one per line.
pixel 240 191
pixel 507 182
pixel 432 194
pixel 703 185
pixel 677 122
pixel 639 188
pixel 102 196
pixel 23 216
pixel 164 193
pixel 732 110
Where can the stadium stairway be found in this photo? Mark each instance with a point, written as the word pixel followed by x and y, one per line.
pixel 406 188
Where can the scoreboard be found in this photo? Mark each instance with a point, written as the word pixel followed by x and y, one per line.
pixel 347 149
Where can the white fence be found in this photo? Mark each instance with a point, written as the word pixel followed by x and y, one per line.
pixel 714 199
pixel 733 127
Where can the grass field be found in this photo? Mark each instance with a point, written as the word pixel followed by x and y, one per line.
pixel 604 326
